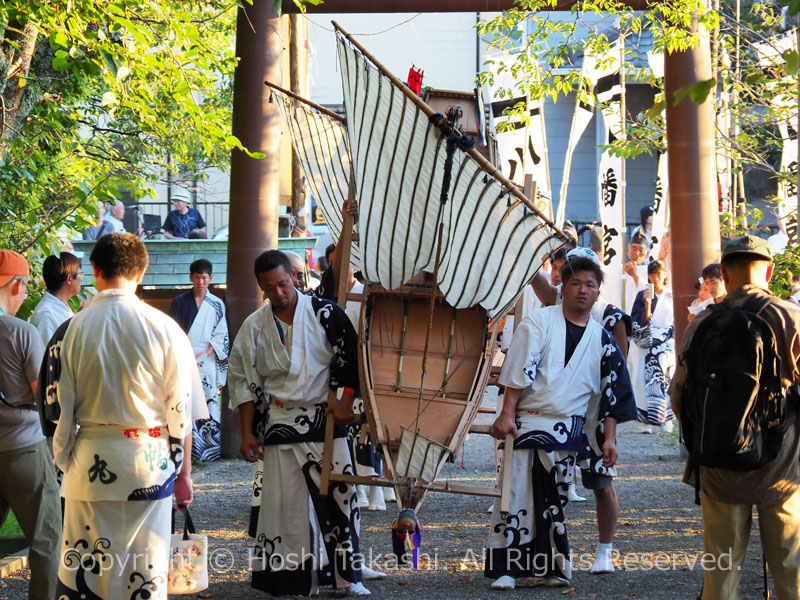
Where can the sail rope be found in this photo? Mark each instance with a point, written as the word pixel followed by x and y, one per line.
pixel 454 140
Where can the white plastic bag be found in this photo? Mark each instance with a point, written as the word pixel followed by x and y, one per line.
pixel 188 564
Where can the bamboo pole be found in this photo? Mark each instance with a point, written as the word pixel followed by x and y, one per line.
pixel 477 156
pixel 441 6
pixel 563 190
pixel 298 74
pixel 306 101
pixel 346 239
pixel 623 188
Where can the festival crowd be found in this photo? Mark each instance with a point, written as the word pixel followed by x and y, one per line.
pixel 104 406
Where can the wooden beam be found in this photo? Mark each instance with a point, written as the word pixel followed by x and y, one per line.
pixel 346 239
pixel 505 477
pixel 437 486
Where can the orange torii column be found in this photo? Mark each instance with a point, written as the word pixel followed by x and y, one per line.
pixel 254 191
pixel 692 170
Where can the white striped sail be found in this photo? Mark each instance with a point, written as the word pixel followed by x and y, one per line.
pixel 321 144
pixel 492 245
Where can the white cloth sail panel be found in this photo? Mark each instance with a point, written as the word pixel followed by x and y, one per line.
pixel 419 457
pixel 772 55
pixel 655 60
pixel 787 187
pixel 584 111
pixel 594 69
pixel 610 205
pixel 321 144
pixel 491 244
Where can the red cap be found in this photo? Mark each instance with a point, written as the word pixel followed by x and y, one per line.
pixel 12 265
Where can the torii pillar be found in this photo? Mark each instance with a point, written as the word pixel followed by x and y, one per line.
pixel 692 168
pixel 254 183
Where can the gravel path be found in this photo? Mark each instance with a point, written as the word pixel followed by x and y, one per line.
pixel 658 538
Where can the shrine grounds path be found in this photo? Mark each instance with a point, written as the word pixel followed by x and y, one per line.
pixel 659 542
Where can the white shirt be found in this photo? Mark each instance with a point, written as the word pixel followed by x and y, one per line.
pixel 296 373
pixel 535 365
pixel 48 315
pixel 115 223
pixel 631 287
pixel 124 366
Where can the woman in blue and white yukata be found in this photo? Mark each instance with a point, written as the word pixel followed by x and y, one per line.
pixel 651 360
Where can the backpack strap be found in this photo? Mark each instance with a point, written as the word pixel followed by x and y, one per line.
pixel 697 483
pixel 757 304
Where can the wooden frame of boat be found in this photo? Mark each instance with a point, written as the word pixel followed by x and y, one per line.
pixel 442 413
pixel 448 424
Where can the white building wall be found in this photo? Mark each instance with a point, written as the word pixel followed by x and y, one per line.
pixel 443 45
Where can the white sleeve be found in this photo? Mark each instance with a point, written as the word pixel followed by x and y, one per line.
pixel 199 404
pixel 219 338
pixel 64 436
pixel 241 365
pixel 524 354
pixel 181 381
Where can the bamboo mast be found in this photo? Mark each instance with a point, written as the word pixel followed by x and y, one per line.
pixel 305 101
pixel 298 76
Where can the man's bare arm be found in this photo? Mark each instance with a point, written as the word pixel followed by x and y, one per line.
pixel 506 420
pixel 350 208
pixel 544 290
pixel 184 492
pixel 250 446
pixel 621 337
pixel 610 443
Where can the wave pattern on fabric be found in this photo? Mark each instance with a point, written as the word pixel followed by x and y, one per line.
pixel 492 245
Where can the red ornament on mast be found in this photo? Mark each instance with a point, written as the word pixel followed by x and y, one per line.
pixel 415 79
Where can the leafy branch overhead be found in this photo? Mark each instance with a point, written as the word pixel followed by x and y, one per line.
pixel 99 97
pixel 756 98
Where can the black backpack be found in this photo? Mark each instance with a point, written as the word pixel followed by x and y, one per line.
pixel 732 406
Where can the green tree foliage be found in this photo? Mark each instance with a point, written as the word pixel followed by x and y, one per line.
pixel 98 97
pixel 545 48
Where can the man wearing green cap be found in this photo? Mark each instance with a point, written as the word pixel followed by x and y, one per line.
pixel 27 480
pixel 727 496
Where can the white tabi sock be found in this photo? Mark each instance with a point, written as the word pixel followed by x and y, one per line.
pixel 604 548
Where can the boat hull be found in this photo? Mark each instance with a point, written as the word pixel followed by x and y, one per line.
pixel 433 408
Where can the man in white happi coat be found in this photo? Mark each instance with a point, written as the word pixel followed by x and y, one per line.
pixel 593 475
pixel 120 391
pixel 285 359
pixel 634 279
pixel 202 316
pixel 566 389
pixel 63 278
